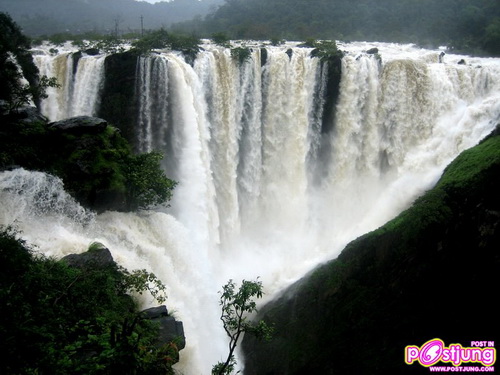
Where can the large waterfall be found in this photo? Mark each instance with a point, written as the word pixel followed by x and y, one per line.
pixel 270 182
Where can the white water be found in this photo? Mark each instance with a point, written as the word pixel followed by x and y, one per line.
pixel 80 89
pixel 262 192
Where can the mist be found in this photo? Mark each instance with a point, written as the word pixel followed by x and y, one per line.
pixel 46 17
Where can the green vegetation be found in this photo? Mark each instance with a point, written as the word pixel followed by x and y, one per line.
pixel 17 63
pixel 146 184
pixel 98 169
pixel 60 320
pixel 241 54
pixel 465 176
pixel 235 306
pixel 162 39
pixel 470 25
pixel 95 162
pixel 325 49
pixel 221 39
pixel 396 285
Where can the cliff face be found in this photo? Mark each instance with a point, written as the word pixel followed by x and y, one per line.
pixel 433 272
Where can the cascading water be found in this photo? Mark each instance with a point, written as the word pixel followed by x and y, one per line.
pixel 80 77
pixel 264 188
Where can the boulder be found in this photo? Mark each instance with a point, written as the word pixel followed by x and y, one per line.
pixel 98 256
pixel 155 312
pixel 170 329
pixel 80 125
pixel 92 51
pixel 372 51
pixel 25 114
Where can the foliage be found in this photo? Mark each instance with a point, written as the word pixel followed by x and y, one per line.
pixel 157 39
pixel 63 320
pixel 106 44
pixel 161 39
pixel 373 291
pixel 235 309
pixel 458 24
pixel 221 39
pixel 146 184
pixel 277 41
pixel 23 95
pixel 140 281
pixel 492 37
pixel 91 165
pixel 241 54
pixel 324 49
pixel 17 63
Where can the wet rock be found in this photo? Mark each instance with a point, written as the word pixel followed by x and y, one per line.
pixel 81 124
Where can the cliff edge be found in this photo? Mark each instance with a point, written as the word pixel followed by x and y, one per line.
pixel 432 272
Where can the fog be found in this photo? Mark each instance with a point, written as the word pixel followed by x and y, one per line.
pixel 45 17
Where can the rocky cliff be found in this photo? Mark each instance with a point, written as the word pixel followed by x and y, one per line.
pixel 432 272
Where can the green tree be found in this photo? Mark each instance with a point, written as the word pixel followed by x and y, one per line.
pixel 221 39
pixel 16 63
pixel 75 320
pixel 146 184
pixel 492 37
pixel 236 306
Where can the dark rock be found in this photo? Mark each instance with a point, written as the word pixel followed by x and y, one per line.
pixel 27 115
pixel 76 58
pixel 372 51
pixel 80 125
pixel 441 57
pixel 92 51
pixel 170 329
pixel 120 106
pixel 289 52
pixel 263 56
pixel 155 312
pixel 461 62
pixel 99 256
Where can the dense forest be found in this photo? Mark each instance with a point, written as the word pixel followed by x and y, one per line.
pixel 471 25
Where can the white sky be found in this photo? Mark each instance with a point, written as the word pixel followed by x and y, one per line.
pixel 152 1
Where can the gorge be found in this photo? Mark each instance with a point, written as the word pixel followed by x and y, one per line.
pixel 276 172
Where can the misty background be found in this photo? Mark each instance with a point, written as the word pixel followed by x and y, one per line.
pixel 46 17
pixel 471 26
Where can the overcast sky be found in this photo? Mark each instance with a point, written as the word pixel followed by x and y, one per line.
pixel 152 1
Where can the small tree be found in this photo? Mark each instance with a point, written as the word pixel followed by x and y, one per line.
pixel 235 309
pixel 146 184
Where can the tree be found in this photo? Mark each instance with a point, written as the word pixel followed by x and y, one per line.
pixel 146 184
pixel 492 37
pixel 16 63
pixel 64 319
pixel 235 309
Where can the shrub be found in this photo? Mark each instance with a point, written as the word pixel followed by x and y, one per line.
pixel 63 320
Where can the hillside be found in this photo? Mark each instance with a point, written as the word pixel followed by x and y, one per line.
pixel 467 24
pixel 38 17
pixel 429 273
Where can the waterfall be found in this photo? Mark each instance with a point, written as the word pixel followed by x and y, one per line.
pixel 264 189
pixel 80 79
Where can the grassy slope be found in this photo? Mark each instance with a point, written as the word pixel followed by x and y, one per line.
pixel 432 272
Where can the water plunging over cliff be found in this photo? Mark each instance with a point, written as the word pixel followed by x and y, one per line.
pixel 270 182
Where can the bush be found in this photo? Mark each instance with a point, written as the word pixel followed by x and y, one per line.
pixel 63 320
pixel 146 184
pixel 241 54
